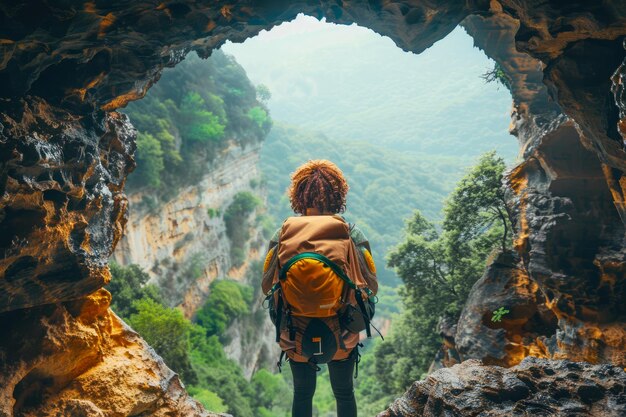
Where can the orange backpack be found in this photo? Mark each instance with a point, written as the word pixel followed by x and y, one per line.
pixel 318 289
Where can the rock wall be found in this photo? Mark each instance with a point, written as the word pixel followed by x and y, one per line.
pixel 77 358
pixel 165 240
pixel 182 236
pixel 64 154
pixel 534 387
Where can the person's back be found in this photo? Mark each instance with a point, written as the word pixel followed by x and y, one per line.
pixel 320 279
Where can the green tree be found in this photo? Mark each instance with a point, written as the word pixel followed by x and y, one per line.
pixel 150 163
pixel 168 332
pixel 127 285
pixel 478 202
pixel 196 123
pixel 263 93
pixel 258 115
pixel 439 268
pixel 210 400
pixel 227 301
pixel 237 223
pixel 270 390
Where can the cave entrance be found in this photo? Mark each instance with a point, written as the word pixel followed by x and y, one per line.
pixel 407 104
pixel 208 158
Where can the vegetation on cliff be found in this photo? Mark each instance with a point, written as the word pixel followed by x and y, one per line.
pixel 188 116
pixel 195 349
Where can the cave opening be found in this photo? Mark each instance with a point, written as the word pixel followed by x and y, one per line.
pixel 47 100
pixel 334 92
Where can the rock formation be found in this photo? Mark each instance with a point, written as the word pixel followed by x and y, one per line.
pixel 163 240
pixel 64 154
pixel 77 358
pixel 534 387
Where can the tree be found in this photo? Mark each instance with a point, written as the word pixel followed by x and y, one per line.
pixel 259 116
pixel 210 400
pixel 227 301
pixel 149 160
pixel 439 268
pixel 237 224
pixel 478 202
pixel 127 285
pixel 497 74
pixel 198 124
pixel 263 93
pixel 168 332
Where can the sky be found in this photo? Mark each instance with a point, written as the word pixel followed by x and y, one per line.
pixel 352 84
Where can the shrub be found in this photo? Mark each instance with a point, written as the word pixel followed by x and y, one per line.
pixel 150 163
pixel 168 332
pixel 227 301
pixel 258 115
pixel 127 285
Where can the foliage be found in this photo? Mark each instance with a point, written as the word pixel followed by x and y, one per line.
pixel 498 314
pixel 150 162
pixel 478 202
pixel 227 301
pixel 196 123
pixel 221 375
pixel 497 74
pixel 129 284
pixel 209 399
pixel 213 212
pixel 237 223
pixel 270 390
pixel 263 93
pixel 439 269
pixel 167 331
pixel 188 116
pixel 259 116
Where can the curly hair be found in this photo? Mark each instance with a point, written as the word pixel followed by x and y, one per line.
pixel 318 184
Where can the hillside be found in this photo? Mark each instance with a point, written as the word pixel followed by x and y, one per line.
pixel 353 84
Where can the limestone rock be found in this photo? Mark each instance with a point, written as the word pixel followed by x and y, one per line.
pixel 61 203
pixel 537 387
pixel 79 359
pixel 521 332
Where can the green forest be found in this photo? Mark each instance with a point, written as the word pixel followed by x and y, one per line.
pixel 191 114
pixel 385 185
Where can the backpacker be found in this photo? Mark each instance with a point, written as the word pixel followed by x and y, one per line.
pixel 318 291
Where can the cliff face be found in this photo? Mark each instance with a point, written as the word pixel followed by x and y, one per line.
pixel 183 245
pixel 64 154
pixel 190 229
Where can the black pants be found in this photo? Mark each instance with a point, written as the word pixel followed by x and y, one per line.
pixel 304 378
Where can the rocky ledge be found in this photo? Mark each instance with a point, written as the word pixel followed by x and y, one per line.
pixel 537 387
pixel 78 358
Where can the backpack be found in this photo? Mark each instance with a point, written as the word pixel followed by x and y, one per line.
pixel 318 290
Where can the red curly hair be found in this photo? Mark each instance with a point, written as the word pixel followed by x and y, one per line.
pixel 318 184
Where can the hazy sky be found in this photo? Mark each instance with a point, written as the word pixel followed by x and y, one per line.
pixel 353 84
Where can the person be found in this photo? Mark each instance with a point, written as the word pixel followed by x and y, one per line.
pixel 318 189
